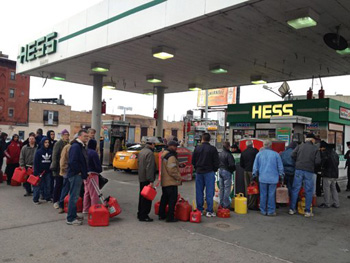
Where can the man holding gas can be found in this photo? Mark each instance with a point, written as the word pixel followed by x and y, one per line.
pixel 205 160
pixel 147 170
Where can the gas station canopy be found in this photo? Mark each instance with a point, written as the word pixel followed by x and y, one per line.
pixel 249 39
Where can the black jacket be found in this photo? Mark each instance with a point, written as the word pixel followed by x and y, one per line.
pixel 247 158
pixel 227 161
pixel 205 158
pixel 307 157
pixel 329 163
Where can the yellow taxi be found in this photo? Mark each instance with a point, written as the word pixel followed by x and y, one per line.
pixel 127 159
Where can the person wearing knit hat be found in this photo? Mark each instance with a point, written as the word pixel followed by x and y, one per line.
pixel 55 167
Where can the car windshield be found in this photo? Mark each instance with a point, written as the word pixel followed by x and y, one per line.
pixel 137 147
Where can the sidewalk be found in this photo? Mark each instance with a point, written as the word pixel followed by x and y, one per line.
pixel 31 233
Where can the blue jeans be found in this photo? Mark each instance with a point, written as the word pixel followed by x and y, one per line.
pixel 43 187
pixel 267 198
pixel 75 184
pixel 64 192
pixel 308 179
pixel 225 182
pixel 206 180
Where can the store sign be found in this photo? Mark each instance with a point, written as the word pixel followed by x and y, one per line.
pixel 39 48
pixel 312 126
pixel 344 113
pixel 266 111
pixel 217 97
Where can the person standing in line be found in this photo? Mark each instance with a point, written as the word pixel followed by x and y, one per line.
pixel 26 159
pixel 205 160
pixel 51 136
pixel 39 136
pixel 289 166
pixel 42 162
pixel 268 165
pixel 3 146
pixel 92 135
pixel 347 165
pixel 227 167
pixel 330 174
pixel 146 171
pixel 246 162
pixel 12 154
pixel 94 168
pixel 171 179
pixel 77 172
pixel 55 167
pixel 307 157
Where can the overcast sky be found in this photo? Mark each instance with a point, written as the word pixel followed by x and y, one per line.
pixel 23 19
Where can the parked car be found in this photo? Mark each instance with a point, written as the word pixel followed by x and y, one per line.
pixel 127 159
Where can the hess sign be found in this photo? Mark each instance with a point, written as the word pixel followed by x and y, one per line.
pixel 266 111
pixel 39 48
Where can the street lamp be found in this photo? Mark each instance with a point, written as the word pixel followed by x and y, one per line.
pixel 125 109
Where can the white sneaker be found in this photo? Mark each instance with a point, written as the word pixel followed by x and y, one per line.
pixel 75 223
pixel 56 205
pixel 308 214
pixel 291 212
pixel 209 214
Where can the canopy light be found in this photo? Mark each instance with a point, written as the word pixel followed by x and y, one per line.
pixel 344 51
pixel 163 52
pixel 218 69
pixel 57 76
pixel 257 80
pixel 99 67
pixel 194 87
pixel 148 92
pixel 109 85
pixel 153 79
pixel 302 18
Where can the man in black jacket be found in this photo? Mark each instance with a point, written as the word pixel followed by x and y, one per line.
pixel 205 160
pixel 227 167
pixel 246 162
pixel 330 173
pixel 347 157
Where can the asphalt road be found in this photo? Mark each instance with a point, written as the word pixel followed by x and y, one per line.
pixel 30 233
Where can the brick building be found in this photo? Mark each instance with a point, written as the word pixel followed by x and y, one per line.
pixel 14 96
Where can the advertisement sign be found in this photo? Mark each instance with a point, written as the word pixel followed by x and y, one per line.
pixel 217 97
pixel 344 113
pixel 283 134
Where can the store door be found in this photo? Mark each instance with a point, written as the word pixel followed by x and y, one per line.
pixel 131 135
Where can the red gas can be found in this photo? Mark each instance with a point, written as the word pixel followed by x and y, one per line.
pixel 195 216
pixel 30 171
pixel 113 206
pixel 34 180
pixel 183 210
pixel 98 215
pixel 14 183
pixel 223 212
pixel 79 204
pixel 149 192
pixel 253 188
pixel 19 175
pixel 4 177
pixel 314 201
pixel 156 208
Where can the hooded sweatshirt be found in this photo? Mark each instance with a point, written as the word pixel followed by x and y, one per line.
pixel 52 142
pixel 94 164
pixel 13 151
pixel 42 158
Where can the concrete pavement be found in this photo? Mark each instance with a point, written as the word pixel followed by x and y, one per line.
pixel 30 233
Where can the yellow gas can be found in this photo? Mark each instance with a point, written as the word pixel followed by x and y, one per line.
pixel 240 204
pixel 301 206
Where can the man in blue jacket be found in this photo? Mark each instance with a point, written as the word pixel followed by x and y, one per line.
pixel 289 166
pixel 268 165
pixel 77 172
pixel 205 160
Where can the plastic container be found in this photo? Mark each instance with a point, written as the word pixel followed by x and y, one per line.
pixel 183 210
pixel 149 192
pixel 195 216
pixel 19 175
pixel 223 213
pixel 240 204
pixel 113 206
pixel 282 196
pixel 98 215
pixel 79 204
pixel 253 188
pixel 34 180
pixel 156 208
pixel 14 183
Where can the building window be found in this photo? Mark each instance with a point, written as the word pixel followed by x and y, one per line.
pixel 11 113
pixel 50 118
pixel 21 135
pixel 144 131
pixel 174 133
pixel 12 93
pixel 13 75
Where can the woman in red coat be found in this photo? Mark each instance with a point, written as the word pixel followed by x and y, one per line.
pixel 12 155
